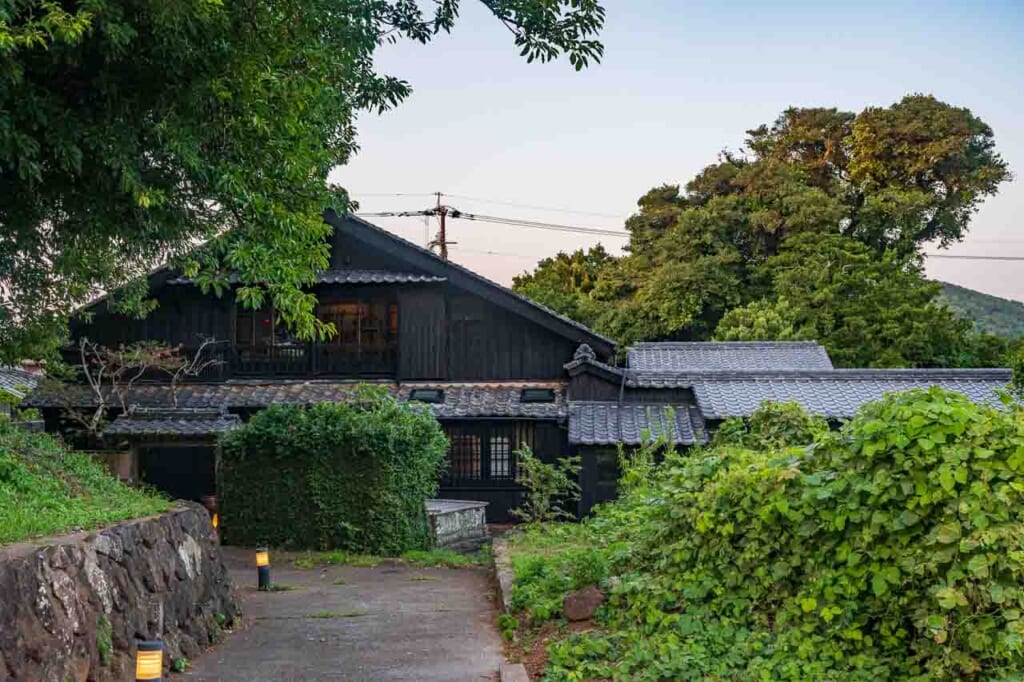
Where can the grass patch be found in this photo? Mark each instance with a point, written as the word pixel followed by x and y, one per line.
pixel 339 581
pixel 46 488
pixel 323 615
pixel 439 558
pixel 355 613
pixel 308 560
pixel 434 558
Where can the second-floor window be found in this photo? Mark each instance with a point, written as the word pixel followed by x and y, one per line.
pixel 364 328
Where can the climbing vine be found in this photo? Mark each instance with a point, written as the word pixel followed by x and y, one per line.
pixel 350 476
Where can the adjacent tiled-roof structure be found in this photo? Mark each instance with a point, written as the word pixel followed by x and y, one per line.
pixel 461 399
pixel 16 381
pixel 662 357
pixel 606 423
pixel 173 423
pixel 834 393
pixel 353 276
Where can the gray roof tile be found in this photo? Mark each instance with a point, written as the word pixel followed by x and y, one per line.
pixel 703 356
pixel 17 381
pixel 605 423
pixel 172 423
pixel 353 276
pixel 461 399
pixel 836 393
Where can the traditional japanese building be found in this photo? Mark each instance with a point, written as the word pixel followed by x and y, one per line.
pixel 499 372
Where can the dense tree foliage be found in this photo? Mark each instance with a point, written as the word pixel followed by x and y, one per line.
pixel 815 231
pixel 132 131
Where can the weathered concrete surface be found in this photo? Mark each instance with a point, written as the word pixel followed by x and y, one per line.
pixel 459 525
pixel 386 623
pixel 71 608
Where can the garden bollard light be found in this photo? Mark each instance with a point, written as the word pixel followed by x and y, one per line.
pixel 263 569
pixel 149 661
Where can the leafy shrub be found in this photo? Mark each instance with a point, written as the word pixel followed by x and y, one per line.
pixel 46 488
pixel 550 487
pixel 351 476
pixel 893 549
pixel 772 425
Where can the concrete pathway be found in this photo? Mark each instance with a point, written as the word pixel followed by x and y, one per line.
pixel 388 622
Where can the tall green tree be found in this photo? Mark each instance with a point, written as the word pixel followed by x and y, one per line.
pixel 132 131
pixel 867 310
pixel 821 205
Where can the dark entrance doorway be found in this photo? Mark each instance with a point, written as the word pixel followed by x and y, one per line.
pixel 185 472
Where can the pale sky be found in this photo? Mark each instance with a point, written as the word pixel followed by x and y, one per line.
pixel 680 81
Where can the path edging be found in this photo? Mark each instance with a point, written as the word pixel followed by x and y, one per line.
pixel 508 671
pixel 503 570
pixel 513 672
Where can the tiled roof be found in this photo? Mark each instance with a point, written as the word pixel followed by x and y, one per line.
pixel 585 356
pixel 461 399
pixel 835 393
pixel 17 381
pixel 728 355
pixel 491 400
pixel 353 276
pixel 174 423
pixel 604 423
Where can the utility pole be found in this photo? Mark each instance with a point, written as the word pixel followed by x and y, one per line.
pixel 441 241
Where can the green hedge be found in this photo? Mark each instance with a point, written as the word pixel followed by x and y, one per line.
pixel 47 489
pixel 350 476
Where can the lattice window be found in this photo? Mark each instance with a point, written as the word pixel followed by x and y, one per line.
pixel 501 457
pixel 464 456
pixel 486 451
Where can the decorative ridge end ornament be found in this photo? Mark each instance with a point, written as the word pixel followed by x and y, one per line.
pixel 584 352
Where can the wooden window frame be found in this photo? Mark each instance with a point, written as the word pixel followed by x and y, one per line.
pixel 495 445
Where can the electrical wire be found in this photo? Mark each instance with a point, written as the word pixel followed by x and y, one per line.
pixel 537 225
pixel 958 257
pixel 533 206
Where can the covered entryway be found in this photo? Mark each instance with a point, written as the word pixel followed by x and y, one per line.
pixel 173 449
pixel 183 471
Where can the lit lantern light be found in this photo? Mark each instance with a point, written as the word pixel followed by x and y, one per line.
pixel 149 661
pixel 263 568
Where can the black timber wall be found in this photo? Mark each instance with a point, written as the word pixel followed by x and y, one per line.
pixel 550 443
pixel 445 332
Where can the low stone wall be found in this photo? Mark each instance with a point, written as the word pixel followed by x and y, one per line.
pixel 72 608
pixel 459 525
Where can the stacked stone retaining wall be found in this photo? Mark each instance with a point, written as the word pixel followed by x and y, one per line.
pixel 72 608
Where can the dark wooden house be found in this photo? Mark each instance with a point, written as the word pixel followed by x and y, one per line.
pixel 498 371
pixel 489 362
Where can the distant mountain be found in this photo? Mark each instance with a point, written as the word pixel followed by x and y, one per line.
pixel 991 313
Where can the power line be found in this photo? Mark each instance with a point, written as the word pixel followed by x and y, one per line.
pixel 393 194
pixel 497 253
pixel 538 225
pixel 558 227
pixel 536 207
pixel 956 257
pixel 498 220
